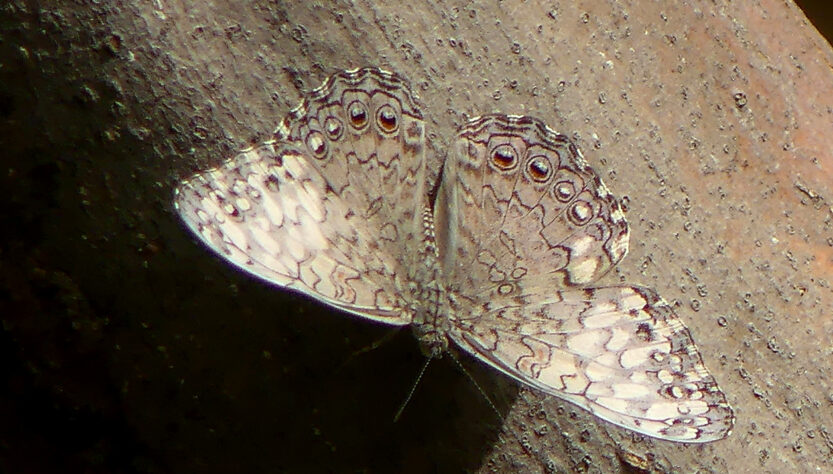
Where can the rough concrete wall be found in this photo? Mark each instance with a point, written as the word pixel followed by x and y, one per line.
pixel 127 347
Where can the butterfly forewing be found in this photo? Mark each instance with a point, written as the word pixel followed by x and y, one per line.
pixel 329 207
pixel 619 352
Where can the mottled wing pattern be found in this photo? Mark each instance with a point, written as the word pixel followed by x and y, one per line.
pixel 619 352
pixel 366 134
pixel 518 202
pixel 524 225
pixel 331 206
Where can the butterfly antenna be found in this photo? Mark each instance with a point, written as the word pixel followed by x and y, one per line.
pixel 413 389
pixel 479 388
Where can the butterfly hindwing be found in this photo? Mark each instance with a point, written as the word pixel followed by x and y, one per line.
pixel 365 134
pixel 518 201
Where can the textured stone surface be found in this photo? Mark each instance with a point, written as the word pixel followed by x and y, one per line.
pixel 714 117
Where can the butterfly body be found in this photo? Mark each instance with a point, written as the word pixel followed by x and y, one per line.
pixel 500 261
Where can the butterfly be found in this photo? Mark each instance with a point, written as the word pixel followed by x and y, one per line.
pixel 499 258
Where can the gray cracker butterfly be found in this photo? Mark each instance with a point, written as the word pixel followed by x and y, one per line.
pixel 498 260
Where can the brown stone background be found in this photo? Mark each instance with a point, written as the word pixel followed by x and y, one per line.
pixel 126 347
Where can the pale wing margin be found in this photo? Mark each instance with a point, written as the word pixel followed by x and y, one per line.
pixel 619 352
pixel 269 212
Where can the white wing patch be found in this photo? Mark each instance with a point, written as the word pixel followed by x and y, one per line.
pixel 273 215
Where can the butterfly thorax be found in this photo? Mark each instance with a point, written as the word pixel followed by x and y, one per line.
pixel 431 332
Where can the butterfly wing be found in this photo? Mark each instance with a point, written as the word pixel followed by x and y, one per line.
pixel 619 352
pixel 312 209
pixel 517 201
pixel 524 225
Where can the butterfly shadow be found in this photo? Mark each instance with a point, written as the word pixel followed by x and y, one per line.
pixel 353 395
